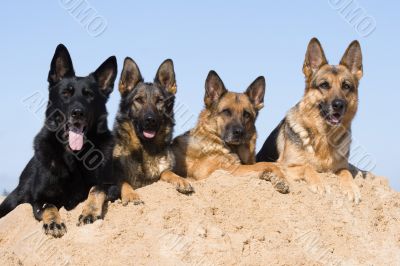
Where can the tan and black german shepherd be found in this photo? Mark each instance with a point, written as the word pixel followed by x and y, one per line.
pixel 315 135
pixel 143 131
pixel 225 136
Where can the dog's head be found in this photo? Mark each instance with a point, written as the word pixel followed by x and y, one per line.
pixel 149 106
pixel 77 105
pixel 334 88
pixel 234 113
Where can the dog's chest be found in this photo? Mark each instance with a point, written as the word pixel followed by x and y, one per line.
pixel 154 165
pixel 325 152
pixel 330 153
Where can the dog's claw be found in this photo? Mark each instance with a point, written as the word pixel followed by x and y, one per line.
pixel 352 192
pixel 54 229
pixel 282 186
pixel 131 197
pixel 88 219
pixel 134 201
pixel 279 183
pixel 185 188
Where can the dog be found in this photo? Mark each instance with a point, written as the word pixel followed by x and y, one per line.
pixel 315 135
pixel 225 136
pixel 143 131
pixel 73 150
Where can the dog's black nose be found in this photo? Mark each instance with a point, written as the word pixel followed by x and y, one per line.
pixel 237 131
pixel 77 113
pixel 338 105
pixel 150 121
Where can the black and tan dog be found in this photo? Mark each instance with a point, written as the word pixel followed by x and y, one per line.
pixel 315 135
pixel 72 152
pixel 225 135
pixel 143 131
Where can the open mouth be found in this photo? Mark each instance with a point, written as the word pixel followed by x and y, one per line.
pixel 233 141
pixel 76 135
pixel 149 134
pixel 334 119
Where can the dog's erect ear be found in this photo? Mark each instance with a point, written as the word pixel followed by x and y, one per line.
pixel 166 76
pixel 61 65
pixel 315 58
pixel 105 75
pixel 215 88
pixel 256 92
pixel 352 59
pixel 130 76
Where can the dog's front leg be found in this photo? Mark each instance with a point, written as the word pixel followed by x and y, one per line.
pixel 182 185
pixel 128 194
pixel 267 171
pixel 310 175
pixel 52 223
pixel 93 208
pixel 348 186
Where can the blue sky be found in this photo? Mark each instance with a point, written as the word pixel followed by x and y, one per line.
pixel 240 40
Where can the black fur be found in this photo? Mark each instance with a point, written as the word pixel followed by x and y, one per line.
pixel 269 150
pixel 56 175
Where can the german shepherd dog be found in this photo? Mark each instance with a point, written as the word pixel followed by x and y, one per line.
pixel 225 135
pixel 72 152
pixel 315 135
pixel 143 131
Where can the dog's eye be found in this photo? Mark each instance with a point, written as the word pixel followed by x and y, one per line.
pixel 159 100
pixel 246 114
pixel 88 93
pixel 226 112
pixel 346 86
pixel 139 100
pixel 324 85
pixel 68 92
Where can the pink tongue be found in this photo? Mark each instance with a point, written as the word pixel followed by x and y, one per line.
pixel 335 119
pixel 75 140
pixel 149 134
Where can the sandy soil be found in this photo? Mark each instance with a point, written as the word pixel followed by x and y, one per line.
pixel 228 221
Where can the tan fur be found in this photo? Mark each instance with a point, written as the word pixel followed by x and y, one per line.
pixel 138 162
pixel 94 206
pixel 52 223
pixel 323 148
pixel 202 151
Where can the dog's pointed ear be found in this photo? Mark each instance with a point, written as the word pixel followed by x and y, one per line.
pixel 315 58
pixel 352 59
pixel 60 66
pixel 130 76
pixel 166 76
pixel 105 75
pixel 256 92
pixel 215 88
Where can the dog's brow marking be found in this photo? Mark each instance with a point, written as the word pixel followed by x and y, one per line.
pixel 334 70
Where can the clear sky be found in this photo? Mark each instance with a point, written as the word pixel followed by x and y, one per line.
pixel 239 39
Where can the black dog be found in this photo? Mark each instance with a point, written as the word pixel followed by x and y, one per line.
pixel 72 152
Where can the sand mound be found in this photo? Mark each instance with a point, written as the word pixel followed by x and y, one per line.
pixel 227 221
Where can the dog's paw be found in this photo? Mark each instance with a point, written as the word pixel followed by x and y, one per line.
pixel 319 188
pixel 280 184
pixel 351 191
pixel 54 229
pixel 131 197
pixel 88 219
pixel 184 187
